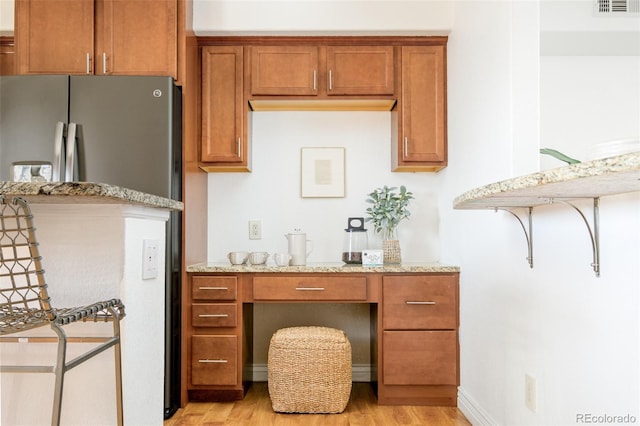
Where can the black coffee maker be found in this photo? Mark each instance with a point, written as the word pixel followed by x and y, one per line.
pixel 355 241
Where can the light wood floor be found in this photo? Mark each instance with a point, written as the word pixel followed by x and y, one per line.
pixel 362 409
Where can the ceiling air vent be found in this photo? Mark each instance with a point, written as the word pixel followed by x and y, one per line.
pixel 617 7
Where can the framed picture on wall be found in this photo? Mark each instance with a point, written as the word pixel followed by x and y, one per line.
pixel 322 172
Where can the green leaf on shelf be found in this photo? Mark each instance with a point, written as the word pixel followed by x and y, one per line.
pixel 558 155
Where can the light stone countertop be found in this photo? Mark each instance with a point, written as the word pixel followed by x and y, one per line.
pixel 84 193
pixel 328 267
pixel 590 179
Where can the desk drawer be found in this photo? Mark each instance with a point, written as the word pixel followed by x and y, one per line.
pixel 420 358
pixel 213 314
pixel 419 302
pixel 310 288
pixel 214 360
pixel 214 287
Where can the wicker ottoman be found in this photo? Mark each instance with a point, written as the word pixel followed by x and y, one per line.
pixel 309 370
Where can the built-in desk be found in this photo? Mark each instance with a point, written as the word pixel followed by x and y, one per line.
pixel 414 325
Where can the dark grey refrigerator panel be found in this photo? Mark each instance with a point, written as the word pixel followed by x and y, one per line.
pixel 30 108
pixel 124 131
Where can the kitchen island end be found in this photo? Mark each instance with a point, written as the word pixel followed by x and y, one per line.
pixel 91 239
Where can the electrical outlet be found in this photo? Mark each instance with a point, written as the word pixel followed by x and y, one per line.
pixel 530 397
pixel 255 230
pixel 149 259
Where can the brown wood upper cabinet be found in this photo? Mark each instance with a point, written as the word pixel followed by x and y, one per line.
pixel 420 120
pixel 101 37
pixel 286 70
pixel 360 70
pixel 224 145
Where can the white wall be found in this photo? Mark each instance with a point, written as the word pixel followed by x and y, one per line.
pixel 271 193
pixel 6 16
pixel 577 90
pixel 578 335
pixel 212 17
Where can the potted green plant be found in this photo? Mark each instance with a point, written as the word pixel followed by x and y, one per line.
pixel 388 208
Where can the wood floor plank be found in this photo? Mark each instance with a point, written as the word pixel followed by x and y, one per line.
pixel 362 410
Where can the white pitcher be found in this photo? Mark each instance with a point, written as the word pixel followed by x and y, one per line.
pixel 299 248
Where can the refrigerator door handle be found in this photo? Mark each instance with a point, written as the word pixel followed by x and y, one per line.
pixel 58 136
pixel 71 153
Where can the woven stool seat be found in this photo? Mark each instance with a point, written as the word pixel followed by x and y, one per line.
pixel 309 370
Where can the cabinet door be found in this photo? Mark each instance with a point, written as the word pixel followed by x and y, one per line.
pixel 421 109
pixel 54 37
pixel 360 70
pixel 284 70
pixel 223 111
pixel 137 37
pixel 420 358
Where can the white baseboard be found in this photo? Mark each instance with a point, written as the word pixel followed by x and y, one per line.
pixel 359 372
pixel 476 415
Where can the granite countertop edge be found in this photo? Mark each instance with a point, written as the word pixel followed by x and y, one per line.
pixel 626 163
pixel 85 193
pixel 322 268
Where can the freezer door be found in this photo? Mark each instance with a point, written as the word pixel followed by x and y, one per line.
pixel 124 131
pixel 30 109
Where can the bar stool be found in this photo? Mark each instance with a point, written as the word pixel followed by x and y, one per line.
pixel 25 305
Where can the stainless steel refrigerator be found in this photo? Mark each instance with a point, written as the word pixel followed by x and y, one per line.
pixel 119 130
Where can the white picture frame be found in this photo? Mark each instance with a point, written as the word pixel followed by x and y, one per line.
pixel 322 172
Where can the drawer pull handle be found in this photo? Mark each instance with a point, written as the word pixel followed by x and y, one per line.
pixel 213 361
pixel 213 315
pixel 213 288
pixel 310 288
pixel 408 302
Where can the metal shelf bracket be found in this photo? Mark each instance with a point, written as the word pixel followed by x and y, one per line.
pixel 594 233
pixel 528 233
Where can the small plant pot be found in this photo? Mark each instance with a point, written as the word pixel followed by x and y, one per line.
pixel 391 251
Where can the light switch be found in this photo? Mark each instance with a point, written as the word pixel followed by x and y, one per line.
pixel 149 259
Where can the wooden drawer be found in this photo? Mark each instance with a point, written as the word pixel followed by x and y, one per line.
pixel 420 358
pixel 420 302
pixel 214 287
pixel 213 314
pixel 214 360
pixel 310 288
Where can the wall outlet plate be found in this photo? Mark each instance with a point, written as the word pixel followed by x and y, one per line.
pixel 255 230
pixel 372 258
pixel 149 259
